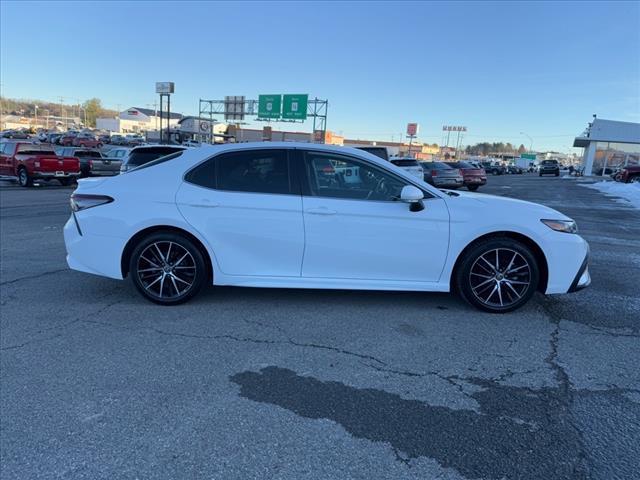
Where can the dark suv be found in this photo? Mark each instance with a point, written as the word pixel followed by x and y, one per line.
pixel 549 167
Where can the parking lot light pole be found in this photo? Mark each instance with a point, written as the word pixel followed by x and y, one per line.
pixel 530 141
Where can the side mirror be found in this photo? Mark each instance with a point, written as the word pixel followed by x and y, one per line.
pixel 413 196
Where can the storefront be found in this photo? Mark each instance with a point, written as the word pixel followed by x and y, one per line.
pixel 609 145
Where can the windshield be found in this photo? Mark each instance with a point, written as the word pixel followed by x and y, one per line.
pixel 549 162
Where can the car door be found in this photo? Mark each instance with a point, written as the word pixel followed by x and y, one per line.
pixel 6 161
pixel 247 204
pixel 356 227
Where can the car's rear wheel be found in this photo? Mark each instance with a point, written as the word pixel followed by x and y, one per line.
pixel 498 275
pixel 472 188
pixel 167 268
pixel 24 179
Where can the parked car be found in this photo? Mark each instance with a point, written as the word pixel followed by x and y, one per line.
pixel 409 165
pixel 146 153
pixel 66 139
pixel 381 152
pixel 15 134
pixel 133 140
pixel 118 153
pixel 514 169
pixel 86 140
pixel 493 168
pixel 118 140
pixel 92 163
pixel 235 214
pixel 441 175
pixel 105 139
pixel 473 176
pixel 629 174
pixel 52 138
pixel 27 162
pixel 549 167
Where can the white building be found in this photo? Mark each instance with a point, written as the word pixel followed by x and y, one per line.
pixel 609 144
pixel 137 120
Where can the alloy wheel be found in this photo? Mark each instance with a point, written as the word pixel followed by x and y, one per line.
pixel 500 277
pixel 166 270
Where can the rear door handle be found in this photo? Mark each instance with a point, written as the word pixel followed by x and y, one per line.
pixel 204 203
pixel 321 211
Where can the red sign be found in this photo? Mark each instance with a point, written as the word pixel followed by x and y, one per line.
pixel 412 129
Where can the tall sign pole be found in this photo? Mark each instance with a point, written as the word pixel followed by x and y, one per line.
pixel 165 89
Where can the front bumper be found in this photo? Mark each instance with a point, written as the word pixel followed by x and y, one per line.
pixel 582 278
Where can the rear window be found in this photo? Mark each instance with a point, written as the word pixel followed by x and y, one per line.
pixel 405 162
pixel 86 154
pixel 465 165
pixel 143 156
pixel 441 166
pixel 377 151
pixel 36 149
pixel 159 160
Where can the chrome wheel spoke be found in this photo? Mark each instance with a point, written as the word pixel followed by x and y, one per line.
pixel 158 273
pixel 500 277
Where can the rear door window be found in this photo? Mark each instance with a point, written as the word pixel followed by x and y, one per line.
pixel 258 171
pixel 145 155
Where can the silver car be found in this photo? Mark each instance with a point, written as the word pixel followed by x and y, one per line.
pixel 441 175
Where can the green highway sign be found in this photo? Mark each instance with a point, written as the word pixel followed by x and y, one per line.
pixel 294 107
pixel 269 106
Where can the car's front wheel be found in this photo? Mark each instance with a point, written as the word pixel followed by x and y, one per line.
pixel 472 188
pixel 167 268
pixel 498 275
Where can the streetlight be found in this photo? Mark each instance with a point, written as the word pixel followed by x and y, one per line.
pixel 530 140
pixel 35 113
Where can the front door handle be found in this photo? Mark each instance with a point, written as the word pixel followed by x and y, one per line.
pixel 321 211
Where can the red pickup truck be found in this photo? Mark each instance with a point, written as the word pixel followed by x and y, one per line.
pixel 28 162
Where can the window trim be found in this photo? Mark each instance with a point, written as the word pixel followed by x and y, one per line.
pixel 292 168
pixel 306 186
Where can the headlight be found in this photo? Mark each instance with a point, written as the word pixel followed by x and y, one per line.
pixel 566 226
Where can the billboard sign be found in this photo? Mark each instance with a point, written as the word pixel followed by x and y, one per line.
pixel 234 107
pixel 294 107
pixel 165 87
pixel 450 128
pixel 412 129
pixel 269 106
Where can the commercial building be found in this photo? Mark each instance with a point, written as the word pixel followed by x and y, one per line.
pixel 137 120
pixel 609 144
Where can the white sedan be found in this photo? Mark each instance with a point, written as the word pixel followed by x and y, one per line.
pixel 289 215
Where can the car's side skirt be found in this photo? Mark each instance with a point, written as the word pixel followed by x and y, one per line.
pixel 329 283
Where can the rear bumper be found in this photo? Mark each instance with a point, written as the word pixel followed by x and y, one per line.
pixel 48 175
pixel 94 254
pixel 448 182
pixel 475 180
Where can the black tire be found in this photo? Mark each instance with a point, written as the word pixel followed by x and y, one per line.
pixel 557 174
pixel 195 268
pixel 24 179
pixel 65 182
pixel 472 188
pixel 540 175
pixel 466 274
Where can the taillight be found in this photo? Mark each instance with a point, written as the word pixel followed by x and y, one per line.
pixel 434 173
pixel 82 202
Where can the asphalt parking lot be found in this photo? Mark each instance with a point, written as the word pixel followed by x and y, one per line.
pixel 265 383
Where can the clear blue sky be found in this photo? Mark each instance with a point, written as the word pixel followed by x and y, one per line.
pixel 499 68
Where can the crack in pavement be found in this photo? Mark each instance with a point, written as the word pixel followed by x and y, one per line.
pixel 58 327
pixel 32 277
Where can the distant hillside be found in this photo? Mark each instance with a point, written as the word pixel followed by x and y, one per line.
pixel 26 108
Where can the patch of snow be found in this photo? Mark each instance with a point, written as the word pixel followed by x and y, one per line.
pixel 626 193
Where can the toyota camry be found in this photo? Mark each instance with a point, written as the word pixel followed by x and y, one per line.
pixel 296 215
